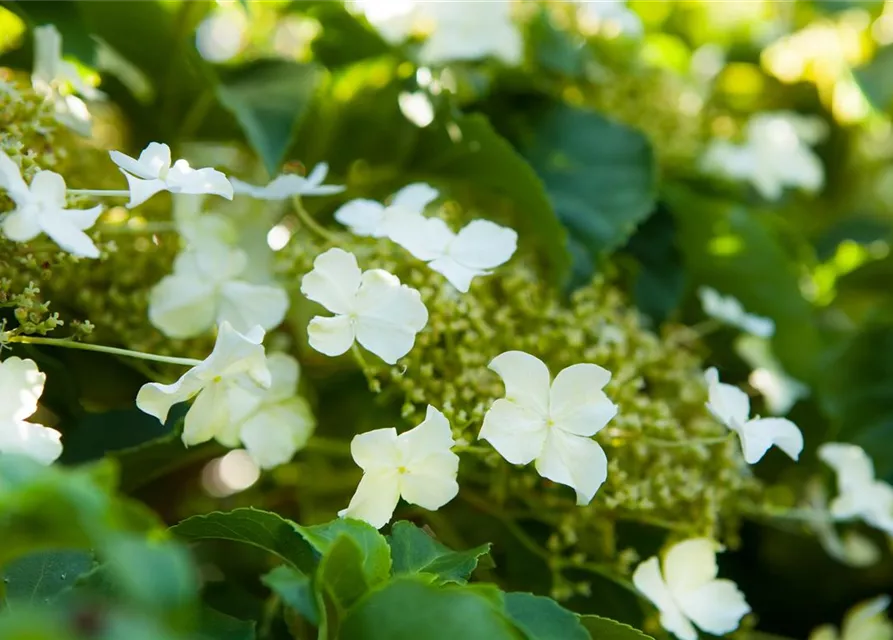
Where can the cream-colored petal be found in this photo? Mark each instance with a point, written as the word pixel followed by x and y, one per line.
pixel 716 607
pixel 577 403
pixel 11 180
pixel 376 498
pixel 648 580
pixel 184 179
pixel 432 435
pixel 276 432
pixel 574 461
pixel 331 336
pixel 245 305
pixel 526 379
pixel 728 404
pixel 690 564
pixel 141 190
pixel 21 384
pixel 334 281
pixel 285 373
pixel 182 306
pixel 414 197
pixel 758 435
pixel 237 353
pixel 69 238
pixel 22 224
pixel 516 432
pixel 425 238
pixel 376 450
pixel 483 245
pixel 431 483
pixel 456 274
pixel 363 217
pixel 157 399
pixel 33 440
pixel 852 465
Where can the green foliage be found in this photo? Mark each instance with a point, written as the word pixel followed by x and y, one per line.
pixel 543 619
pixel 414 551
pixel 605 629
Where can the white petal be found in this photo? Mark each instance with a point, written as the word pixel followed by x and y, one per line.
pixel 236 353
pixel 516 432
pixel 852 465
pixel 362 217
pixel 48 189
pixel 83 219
pixel 182 306
pixel 334 281
pixel 431 436
pixel 157 399
pixel 154 160
pixel 285 372
pixel 22 225
pixel 376 450
pixel 758 435
pixel 425 238
pixel 276 432
pixel 526 379
pixel 458 275
pixel 331 336
pixel 868 620
pixel 390 315
pixel 432 482
pixel 648 580
pixel 47 53
pixel 183 179
pixel 577 403
pixel 33 440
pixel 245 305
pixel 21 384
pixel 728 404
pixel 11 180
pixel 141 190
pixel 575 461
pixel 414 197
pixel 219 411
pixel 690 564
pixel 69 237
pixel 717 607
pixel 482 244
pixel 375 499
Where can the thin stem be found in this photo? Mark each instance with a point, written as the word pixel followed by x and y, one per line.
pixel 359 357
pixel 658 442
pixel 305 217
pixel 101 193
pixel 85 346
pixel 807 516
pixel 148 227
pixel 470 448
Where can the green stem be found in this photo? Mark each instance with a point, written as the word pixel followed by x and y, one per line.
pixel 469 448
pixel 305 217
pixel 148 227
pixel 658 442
pixel 101 193
pixel 85 346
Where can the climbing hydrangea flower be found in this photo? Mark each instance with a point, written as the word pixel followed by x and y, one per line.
pixel 371 307
pixel 40 208
pixel 731 406
pixel 687 593
pixel 227 386
pixel 368 218
pixel 288 185
pixel 21 384
pixel 551 423
pixel 417 465
pixel 728 310
pixel 860 494
pixel 152 173
pixel 866 621
pixel 479 247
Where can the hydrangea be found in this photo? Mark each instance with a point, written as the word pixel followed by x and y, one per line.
pixel 687 592
pixel 288 185
pixel 368 218
pixel 866 621
pixel 729 310
pixel 859 493
pixel 417 465
pixel 21 384
pixel 551 421
pixel 615 13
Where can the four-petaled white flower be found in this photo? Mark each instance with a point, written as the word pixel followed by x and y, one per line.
pixel 551 422
pixel 865 621
pixel 731 406
pixel 368 218
pixel 859 493
pixel 207 287
pixel 417 465
pixel 21 384
pixel 478 248
pixel 371 307
pixel 287 185
pixel 40 208
pixel 775 154
pixel 687 592
pixel 228 387
pixel 729 310
pixel 152 173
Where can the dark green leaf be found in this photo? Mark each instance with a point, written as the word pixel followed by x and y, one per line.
pixel 219 626
pixel 340 574
pixel 345 38
pixel 874 79
pixel 409 608
pixel 261 529
pixel 542 618
pixel 295 590
pixel 414 551
pixel 606 629
pixel 37 577
pixel 268 98
pixel 374 550
pixel 67 18
pixel 562 52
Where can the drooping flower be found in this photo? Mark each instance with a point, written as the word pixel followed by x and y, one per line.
pixel 859 493
pixel 551 422
pixel 687 592
pixel 731 406
pixel 776 154
pixel 417 465
pixel 207 286
pixel 227 386
pixel 368 218
pixel 371 307
pixel 288 185
pixel 780 391
pixel 40 208
pixel 728 309
pixel 851 548
pixel 21 385
pixel 152 173
pixel 478 248
pixel 865 621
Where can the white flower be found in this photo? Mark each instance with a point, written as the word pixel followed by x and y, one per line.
pixel 21 384
pixel 596 14
pixel 775 154
pixel 860 494
pixel 551 422
pixel 479 247
pixel 41 209
pixel 227 386
pixel 729 310
pixel 416 465
pixel 207 287
pixel 780 390
pixel 153 172
pixel 460 34
pixel 852 548
pixel 731 406
pixel 688 594
pixel 368 217
pixel 371 307
pixel 287 185
pixel 866 621
pixel 394 20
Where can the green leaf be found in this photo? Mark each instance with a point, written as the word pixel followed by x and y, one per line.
pixel 606 629
pixel 408 608
pixel 414 551
pixel 542 618
pixel 374 549
pixel 874 79
pixel 295 590
pixel 344 39
pixel 255 527
pixel 219 626
pixel 67 18
pixel 268 98
pixel 37 577
pixel 601 176
pixel 340 574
